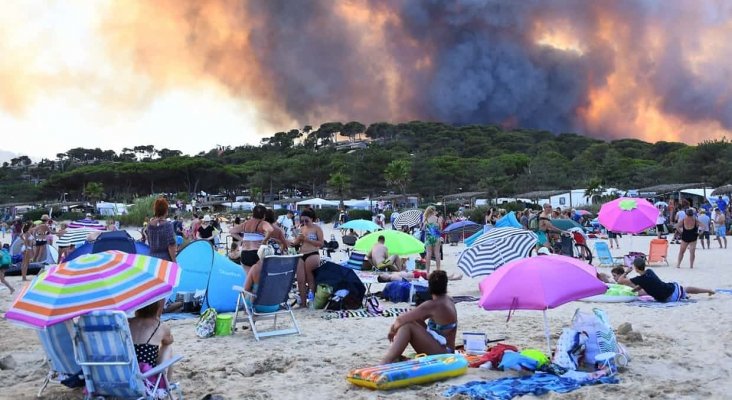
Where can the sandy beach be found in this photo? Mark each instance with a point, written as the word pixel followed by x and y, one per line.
pixel 682 352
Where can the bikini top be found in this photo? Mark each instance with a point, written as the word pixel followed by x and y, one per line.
pixel 432 325
pixel 146 352
pixel 312 236
pixel 253 236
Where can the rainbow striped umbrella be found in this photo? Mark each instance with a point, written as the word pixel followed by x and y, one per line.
pixel 111 280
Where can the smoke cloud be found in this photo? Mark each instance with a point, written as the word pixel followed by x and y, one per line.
pixel 654 70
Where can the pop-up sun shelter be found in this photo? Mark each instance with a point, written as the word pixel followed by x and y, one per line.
pixel 115 240
pixel 203 268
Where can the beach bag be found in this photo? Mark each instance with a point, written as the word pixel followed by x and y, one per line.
pixel 371 304
pixel 206 325
pixel 421 294
pixel 397 292
pixel 323 294
pixel 570 346
pixel 343 300
pixel 600 334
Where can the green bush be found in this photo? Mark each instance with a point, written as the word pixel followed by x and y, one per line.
pixel 136 214
pixel 327 214
pixel 360 214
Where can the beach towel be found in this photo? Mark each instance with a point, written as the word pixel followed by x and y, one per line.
pixel 656 304
pixel 389 312
pixel 536 384
pixel 723 291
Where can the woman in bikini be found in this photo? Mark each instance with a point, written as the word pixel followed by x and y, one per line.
pixel 430 328
pixel 41 233
pixel 688 227
pixel 254 233
pixel 310 241
pixel 29 242
pixel 152 339
pixel 431 237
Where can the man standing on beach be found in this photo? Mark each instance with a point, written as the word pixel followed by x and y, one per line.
pixel 720 227
pixel 704 222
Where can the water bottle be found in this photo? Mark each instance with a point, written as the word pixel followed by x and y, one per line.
pixel 311 300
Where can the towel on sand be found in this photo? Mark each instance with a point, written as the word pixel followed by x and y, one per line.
pixel 536 384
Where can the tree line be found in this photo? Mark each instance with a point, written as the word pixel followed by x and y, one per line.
pixel 424 158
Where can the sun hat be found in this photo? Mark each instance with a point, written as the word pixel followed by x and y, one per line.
pixel 44 217
pixel 544 251
pixel 206 218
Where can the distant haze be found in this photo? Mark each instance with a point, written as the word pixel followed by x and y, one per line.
pixel 192 74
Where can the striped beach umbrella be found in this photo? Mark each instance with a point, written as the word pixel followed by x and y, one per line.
pixel 75 237
pixel 409 218
pixel 111 280
pixel 494 249
pixel 89 224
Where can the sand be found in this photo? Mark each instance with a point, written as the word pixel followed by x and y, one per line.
pixel 683 353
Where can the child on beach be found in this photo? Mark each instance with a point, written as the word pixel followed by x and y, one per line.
pixel 647 282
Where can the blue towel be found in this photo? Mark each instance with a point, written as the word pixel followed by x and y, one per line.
pixel 725 291
pixel 508 388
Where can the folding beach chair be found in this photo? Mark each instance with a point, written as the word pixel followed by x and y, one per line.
pixel 658 251
pixel 59 348
pixel 355 260
pixel 103 347
pixel 276 279
pixel 349 241
pixel 605 256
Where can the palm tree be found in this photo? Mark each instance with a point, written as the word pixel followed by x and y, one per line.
pixel 94 192
pixel 397 173
pixel 340 182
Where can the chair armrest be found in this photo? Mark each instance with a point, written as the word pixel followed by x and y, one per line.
pixel 240 289
pixel 162 367
pixel 237 288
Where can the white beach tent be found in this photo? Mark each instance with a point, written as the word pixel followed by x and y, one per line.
pixel 111 209
pixel 317 203
pixel 360 204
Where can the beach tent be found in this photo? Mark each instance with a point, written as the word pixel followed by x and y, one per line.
pixel 115 240
pixel 111 209
pixel 34 267
pixel 203 268
pixel 339 277
pixel 317 203
pixel 508 221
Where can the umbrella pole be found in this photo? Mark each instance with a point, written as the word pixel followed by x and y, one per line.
pixel 546 332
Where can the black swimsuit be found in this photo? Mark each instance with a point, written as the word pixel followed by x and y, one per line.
pixel 689 235
pixel 146 352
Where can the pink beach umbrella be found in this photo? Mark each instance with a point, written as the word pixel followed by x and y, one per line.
pixel 539 283
pixel 628 215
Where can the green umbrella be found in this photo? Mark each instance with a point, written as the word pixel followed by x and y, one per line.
pixel 398 243
pixel 565 224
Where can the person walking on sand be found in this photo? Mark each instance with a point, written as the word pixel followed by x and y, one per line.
pixel 647 282
pixel 688 227
pixel 431 237
pixel 5 262
pixel 720 227
pixel 704 227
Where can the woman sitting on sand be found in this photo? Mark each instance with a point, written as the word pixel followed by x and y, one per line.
pixel 437 334
pixel 153 339
pixel 647 282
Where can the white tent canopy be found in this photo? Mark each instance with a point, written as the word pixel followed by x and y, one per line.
pixel 240 205
pixel 111 209
pixel 317 203
pixel 362 204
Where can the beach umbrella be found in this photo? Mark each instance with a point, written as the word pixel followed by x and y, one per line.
pixel 110 280
pixel 398 243
pixel 409 218
pixel 508 220
pixel 88 223
pixel 74 236
pixel 495 248
pixel 565 224
pixel 660 203
pixel 628 215
pixel 726 189
pixel 538 283
pixel 459 225
pixel 361 225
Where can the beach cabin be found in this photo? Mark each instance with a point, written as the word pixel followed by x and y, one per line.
pixel 569 199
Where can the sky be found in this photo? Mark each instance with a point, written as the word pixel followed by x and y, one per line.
pixel 195 74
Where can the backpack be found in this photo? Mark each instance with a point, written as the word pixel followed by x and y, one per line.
pixel 397 292
pixel 206 325
pixel 600 334
pixel 534 223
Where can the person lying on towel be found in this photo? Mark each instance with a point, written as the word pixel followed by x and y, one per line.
pixel 409 276
pixel 430 328
pixel 647 282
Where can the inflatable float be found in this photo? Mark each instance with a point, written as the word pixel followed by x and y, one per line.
pixel 420 370
pixel 614 294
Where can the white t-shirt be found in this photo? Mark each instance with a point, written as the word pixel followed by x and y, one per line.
pixel 660 220
pixel 704 221
pixel 286 224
